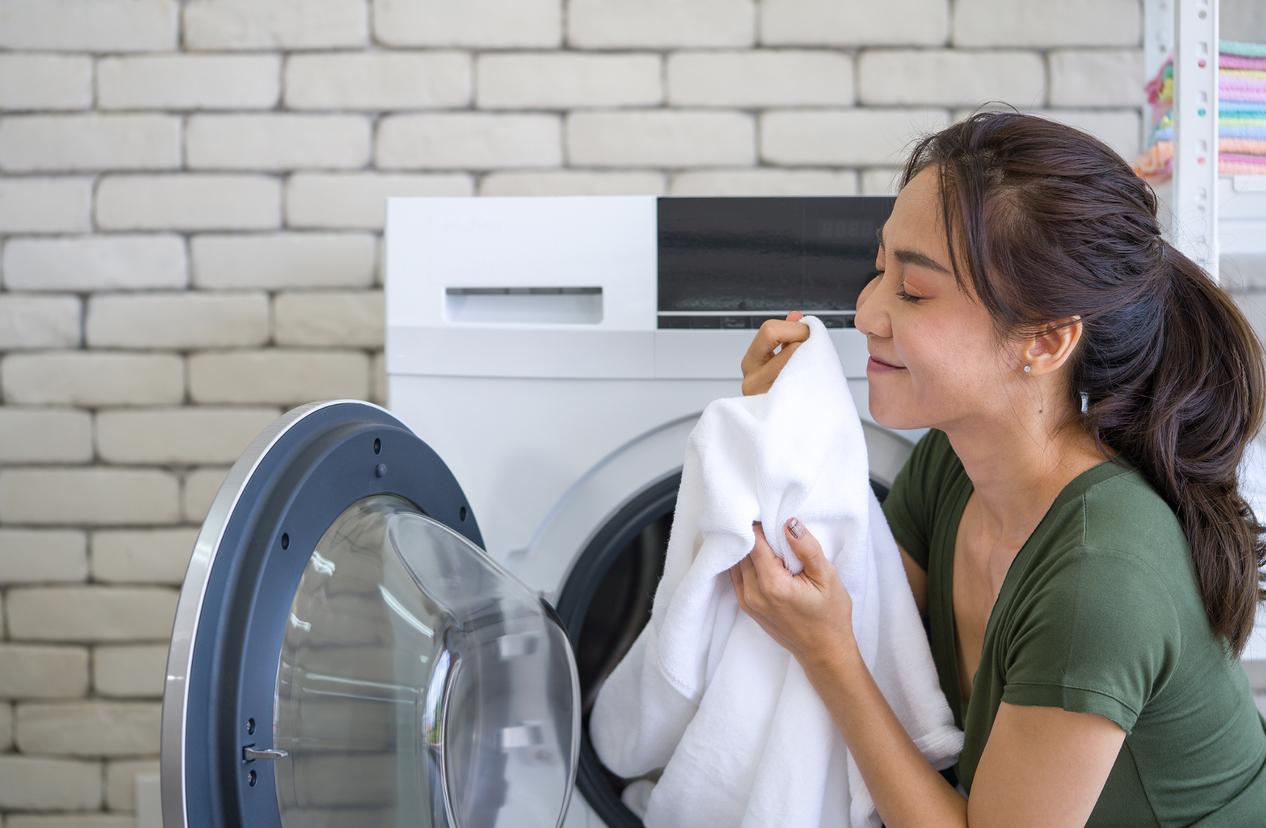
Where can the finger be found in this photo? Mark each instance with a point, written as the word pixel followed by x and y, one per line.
pixel 763 377
pixel 795 316
pixel 772 333
pixel 764 562
pixel 808 550
pixel 747 574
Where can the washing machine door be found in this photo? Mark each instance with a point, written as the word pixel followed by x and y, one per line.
pixel 346 653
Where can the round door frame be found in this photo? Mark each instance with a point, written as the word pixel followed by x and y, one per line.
pixel 276 502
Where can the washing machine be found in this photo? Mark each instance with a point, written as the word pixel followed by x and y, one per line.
pixel 400 616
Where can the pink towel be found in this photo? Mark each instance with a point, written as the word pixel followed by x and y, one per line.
pixel 1226 61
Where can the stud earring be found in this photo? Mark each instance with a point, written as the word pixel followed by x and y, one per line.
pixel 1028 369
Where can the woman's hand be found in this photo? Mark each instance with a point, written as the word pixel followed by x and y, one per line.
pixel 810 613
pixel 760 364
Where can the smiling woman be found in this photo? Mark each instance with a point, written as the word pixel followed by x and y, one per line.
pixel 1089 572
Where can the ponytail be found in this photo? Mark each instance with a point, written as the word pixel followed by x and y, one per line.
pixel 1187 427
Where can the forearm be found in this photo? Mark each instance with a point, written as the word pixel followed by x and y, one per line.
pixel 906 789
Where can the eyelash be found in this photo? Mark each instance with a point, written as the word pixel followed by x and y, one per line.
pixel 901 294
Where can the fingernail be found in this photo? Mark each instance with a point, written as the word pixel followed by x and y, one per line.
pixel 795 528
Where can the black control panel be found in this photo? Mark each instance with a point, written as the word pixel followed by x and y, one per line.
pixel 733 262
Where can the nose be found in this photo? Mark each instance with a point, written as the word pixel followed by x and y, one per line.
pixel 869 318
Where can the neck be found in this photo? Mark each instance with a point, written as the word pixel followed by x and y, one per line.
pixel 1018 470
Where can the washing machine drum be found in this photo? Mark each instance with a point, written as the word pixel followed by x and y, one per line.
pixel 346 653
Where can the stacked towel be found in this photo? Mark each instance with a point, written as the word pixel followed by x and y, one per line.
pixel 705 695
pixel 1241 114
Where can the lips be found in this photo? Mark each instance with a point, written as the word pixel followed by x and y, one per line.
pixel 885 362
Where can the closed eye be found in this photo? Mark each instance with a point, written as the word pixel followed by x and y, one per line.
pixel 901 293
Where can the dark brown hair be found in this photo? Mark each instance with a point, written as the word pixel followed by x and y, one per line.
pixel 1052 223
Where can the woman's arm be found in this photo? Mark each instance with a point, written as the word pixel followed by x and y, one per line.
pixel 918 581
pixel 1040 766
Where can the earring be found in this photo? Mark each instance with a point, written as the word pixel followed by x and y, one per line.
pixel 1085 401
pixel 1028 369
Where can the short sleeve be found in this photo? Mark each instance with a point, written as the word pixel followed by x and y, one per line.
pixel 908 506
pixel 1099 634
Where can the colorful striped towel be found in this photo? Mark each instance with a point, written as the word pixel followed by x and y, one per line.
pixel 1239 47
pixel 1226 61
pixel 1167 133
pixel 1157 163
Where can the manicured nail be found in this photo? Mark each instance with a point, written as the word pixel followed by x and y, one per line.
pixel 795 528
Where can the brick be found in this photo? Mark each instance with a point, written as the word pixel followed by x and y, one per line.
pixel 37 671
pixel 661 138
pixel 1096 77
pixel 200 488
pixel 99 496
pixel 120 781
pixel 32 143
pixel 317 318
pixel 278 141
pixel 571 182
pixel 92 379
pixel 1037 23
pixel 89 25
pixel 660 24
pixel 32 783
pixel 91 613
pixel 832 23
pixel 28 321
pixel 189 82
pixel 93 263
pixel 179 436
pixel 496 24
pixel 142 556
pixel 942 77
pixel 1119 129
pixel 281 377
pixel 189 202
pixel 565 80
pixel 45 205
pixel 44 436
pixel 288 260
pixel 277 24
pixel 177 320
pixel 379 80
pixel 35 81
pixel 129 670
pixel 881 181
pixel 32 556
pixel 765 78
pixel 359 200
pixel 445 140
pixel 95 728
pixel 844 137
pixel 764 182
pixel 378 379
pixel 6 730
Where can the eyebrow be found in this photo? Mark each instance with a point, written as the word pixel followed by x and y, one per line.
pixel 913 257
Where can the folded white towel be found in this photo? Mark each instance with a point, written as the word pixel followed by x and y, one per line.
pixel 705 694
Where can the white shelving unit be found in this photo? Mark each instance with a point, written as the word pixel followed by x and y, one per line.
pixel 1214 219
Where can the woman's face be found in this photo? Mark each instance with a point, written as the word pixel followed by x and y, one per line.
pixel 952 367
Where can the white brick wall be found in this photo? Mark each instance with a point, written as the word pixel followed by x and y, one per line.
pixel 90 263
pixel 191 210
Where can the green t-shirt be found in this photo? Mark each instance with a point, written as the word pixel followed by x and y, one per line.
pixel 1099 612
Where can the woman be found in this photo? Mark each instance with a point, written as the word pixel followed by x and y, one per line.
pixel 1089 576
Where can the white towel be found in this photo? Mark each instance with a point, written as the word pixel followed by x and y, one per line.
pixel 704 693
